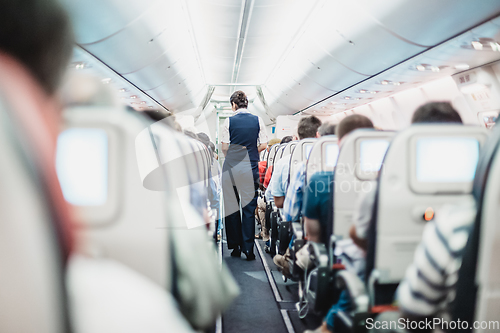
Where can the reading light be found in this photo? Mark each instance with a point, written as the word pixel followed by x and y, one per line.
pixel 363 91
pixel 477 45
pixel 80 65
pixel 122 90
pixel 347 97
pixel 133 97
pixel 106 80
pixel 420 68
pixel 495 46
pixel 483 44
pixel 462 67
pixel 385 82
pixel 434 69
pixel 373 92
pixel 396 83
pixel 143 103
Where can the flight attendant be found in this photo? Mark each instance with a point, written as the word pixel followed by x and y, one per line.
pixel 243 137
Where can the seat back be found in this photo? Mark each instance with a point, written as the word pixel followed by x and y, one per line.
pixel 426 167
pixel 323 156
pixel 125 218
pixel 272 155
pixel 280 153
pixel 300 154
pixel 357 168
pixel 264 155
pixel 480 267
pixel 289 148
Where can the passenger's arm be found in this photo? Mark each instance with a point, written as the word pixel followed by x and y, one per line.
pixel 224 137
pixel 262 146
pixel 293 198
pixel 224 148
pixel 278 201
pixel 313 229
pixel 362 243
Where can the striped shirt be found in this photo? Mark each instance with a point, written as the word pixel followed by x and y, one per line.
pixel 429 282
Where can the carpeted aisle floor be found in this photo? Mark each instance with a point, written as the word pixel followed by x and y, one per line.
pixel 255 310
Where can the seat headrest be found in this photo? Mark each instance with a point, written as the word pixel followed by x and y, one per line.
pixel 323 155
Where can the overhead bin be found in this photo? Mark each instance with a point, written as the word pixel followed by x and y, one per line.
pixel 428 22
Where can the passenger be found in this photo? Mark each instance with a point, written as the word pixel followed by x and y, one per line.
pixel 428 286
pixel 308 127
pixel 434 112
pixel 317 206
pixel 292 204
pixel 212 147
pixel 279 177
pixel 265 178
pixel 430 279
pixel 269 170
pixel 243 137
pixel 213 190
pixel 283 163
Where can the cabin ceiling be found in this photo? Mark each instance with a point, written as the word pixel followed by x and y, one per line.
pixel 289 56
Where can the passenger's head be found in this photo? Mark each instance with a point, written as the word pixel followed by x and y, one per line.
pixel 351 123
pixel 38 33
pixel 191 134
pixel 272 142
pixel 155 115
pixel 212 146
pixel 327 129
pixel 238 100
pixel 436 112
pixel 286 139
pixel 204 138
pixel 308 127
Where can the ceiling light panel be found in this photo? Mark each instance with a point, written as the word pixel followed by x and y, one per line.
pixel 215 27
pixel 271 29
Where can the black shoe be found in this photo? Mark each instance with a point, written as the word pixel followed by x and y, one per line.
pixel 250 256
pixel 236 253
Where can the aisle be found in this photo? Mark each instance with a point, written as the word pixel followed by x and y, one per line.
pixel 255 310
pixel 265 305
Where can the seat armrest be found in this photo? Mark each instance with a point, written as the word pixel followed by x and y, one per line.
pixel 331 247
pixel 297 230
pixel 320 254
pixel 356 289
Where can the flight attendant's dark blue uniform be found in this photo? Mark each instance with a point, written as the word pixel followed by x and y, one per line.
pixel 240 181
